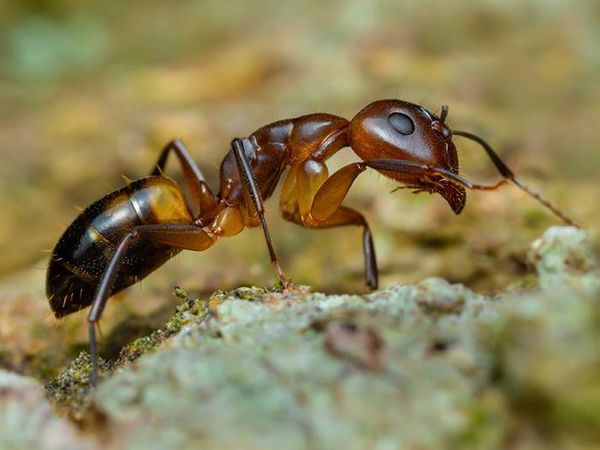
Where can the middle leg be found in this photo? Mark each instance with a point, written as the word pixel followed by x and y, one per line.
pixel 247 177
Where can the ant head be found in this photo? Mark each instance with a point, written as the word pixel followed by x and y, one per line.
pixel 395 129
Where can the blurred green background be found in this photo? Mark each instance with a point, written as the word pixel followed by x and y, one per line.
pixel 90 92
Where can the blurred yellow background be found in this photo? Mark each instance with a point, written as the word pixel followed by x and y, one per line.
pixel 91 92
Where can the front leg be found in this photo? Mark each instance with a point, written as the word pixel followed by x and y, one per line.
pixel 306 183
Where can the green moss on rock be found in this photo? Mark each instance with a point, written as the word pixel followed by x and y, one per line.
pixel 71 392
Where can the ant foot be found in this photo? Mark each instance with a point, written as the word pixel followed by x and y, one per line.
pixel 285 283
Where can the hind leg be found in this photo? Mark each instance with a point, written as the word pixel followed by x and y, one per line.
pixel 202 197
pixel 180 236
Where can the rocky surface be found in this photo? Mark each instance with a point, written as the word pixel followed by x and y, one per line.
pixel 432 365
pixel 27 420
pixel 101 82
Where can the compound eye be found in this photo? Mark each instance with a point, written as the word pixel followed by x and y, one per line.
pixel 402 123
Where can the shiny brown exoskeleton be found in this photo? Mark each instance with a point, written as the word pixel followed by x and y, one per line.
pixel 129 233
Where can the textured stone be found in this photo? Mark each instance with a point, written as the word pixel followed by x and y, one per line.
pixel 27 420
pixel 432 365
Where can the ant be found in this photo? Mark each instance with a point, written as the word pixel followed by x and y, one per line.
pixel 124 236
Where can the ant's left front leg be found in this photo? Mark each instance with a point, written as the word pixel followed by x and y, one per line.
pixel 307 182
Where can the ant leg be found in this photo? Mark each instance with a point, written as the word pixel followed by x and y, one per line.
pixel 181 236
pixel 347 216
pixel 333 191
pixel 102 294
pixel 185 159
pixel 312 200
pixel 326 210
pixel 247 176
pixel 331 194
pixel 309 178
pixel 202 196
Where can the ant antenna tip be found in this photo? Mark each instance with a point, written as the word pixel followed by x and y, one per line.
pixel 545 202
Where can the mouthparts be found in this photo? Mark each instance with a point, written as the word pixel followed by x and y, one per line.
pixel 454 194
